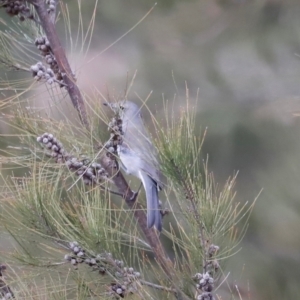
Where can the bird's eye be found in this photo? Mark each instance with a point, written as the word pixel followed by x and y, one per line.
pixel 122 107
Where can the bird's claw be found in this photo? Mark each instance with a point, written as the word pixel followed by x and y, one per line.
pixel 134 195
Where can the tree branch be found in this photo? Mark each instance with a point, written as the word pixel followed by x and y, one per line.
pixel 62 61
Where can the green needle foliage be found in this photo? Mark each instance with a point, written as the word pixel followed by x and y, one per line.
pixel 75 238
pixel 204 213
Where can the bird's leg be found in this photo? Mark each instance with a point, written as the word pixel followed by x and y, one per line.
pixel 163 211
pixel 135 194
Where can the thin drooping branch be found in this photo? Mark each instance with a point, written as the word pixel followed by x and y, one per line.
pixel 61 58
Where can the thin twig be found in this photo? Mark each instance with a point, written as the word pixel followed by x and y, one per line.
pixel 157 286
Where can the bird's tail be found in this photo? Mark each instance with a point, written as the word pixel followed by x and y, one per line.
pixel 153 210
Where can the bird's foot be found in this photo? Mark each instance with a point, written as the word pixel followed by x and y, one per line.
pixel 134 195
pixel 163 211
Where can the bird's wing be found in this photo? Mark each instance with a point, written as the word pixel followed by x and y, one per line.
pixel 137 139
pixel 153 211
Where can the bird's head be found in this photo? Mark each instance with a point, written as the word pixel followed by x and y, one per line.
pixel 124 108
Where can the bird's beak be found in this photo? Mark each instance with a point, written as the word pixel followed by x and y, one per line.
pixel 108 104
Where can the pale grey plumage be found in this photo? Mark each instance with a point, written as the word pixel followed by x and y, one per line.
pixel 138 157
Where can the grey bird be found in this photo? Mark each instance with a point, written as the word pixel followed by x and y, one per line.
pixel 139 158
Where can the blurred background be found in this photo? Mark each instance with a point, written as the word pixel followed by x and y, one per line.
pixel 241 59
